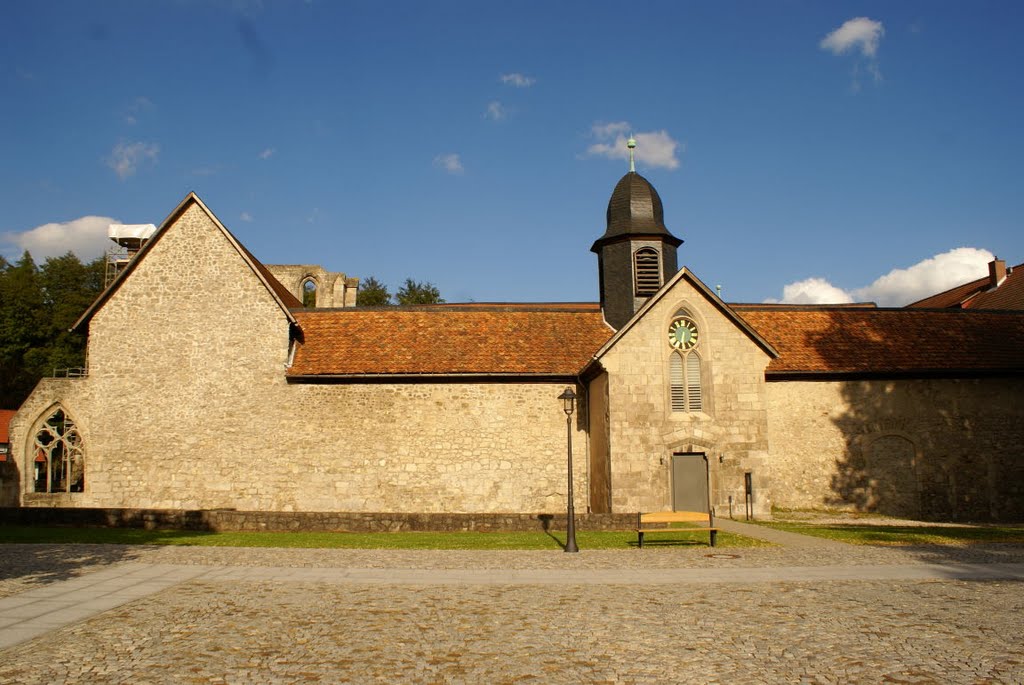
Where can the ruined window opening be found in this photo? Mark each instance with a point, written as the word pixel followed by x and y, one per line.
pixel 59 457
pixel 647 271
pixel 309 293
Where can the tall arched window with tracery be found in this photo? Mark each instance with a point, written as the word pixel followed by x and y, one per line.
pixel 58 455
pixel 686 388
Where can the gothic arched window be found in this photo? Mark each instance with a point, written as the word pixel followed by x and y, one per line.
pixel 309 293
pixel 684 367
pixel 58 455
pixel 646 271
pixel 687 390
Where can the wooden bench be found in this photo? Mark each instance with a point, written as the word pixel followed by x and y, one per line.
pixel 644 521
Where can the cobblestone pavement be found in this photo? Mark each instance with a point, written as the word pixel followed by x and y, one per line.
pixel 257 631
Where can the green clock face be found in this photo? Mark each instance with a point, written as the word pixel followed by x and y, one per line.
pixel 682 333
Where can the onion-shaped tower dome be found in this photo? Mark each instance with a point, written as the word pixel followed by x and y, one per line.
pixel 637 254
pixel 635 210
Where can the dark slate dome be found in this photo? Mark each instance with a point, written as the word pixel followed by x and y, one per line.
pixel 635 209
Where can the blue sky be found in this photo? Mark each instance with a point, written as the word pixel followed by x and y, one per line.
pixel 475 144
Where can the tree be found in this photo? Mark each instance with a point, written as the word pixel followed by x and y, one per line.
pixel 418 293
pixel 38 306
pixel 372 293
pixel 21 321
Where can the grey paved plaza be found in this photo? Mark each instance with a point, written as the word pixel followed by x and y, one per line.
pixel 815 613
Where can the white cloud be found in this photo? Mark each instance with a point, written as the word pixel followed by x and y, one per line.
pixel 654 148
pixel 245 216
pixel 495 111
pixel 449 162
pixel 927 277
pixel 126 157
pixel 267 153
pixel 857 35
pixel 899 287
pixel 86 237
pixel 518 80
pixel 813 291
pixel 136 107
pixel 860 33
pixel 610 130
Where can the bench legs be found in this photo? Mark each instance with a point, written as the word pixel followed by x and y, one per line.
pixel 640 538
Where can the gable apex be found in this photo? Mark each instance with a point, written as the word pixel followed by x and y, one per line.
pixel 685 274
pixel 284 299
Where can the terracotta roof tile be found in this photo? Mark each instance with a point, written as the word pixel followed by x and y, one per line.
pixel 5 423
pixel 545 340
pixel 844 340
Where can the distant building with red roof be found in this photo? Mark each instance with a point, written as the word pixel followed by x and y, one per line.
pixel 1003 288
pixel 211 386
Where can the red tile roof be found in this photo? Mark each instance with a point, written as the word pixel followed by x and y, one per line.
pixel 978 295
pixel 825 340
pixel 560 339
pixel 5 421
pixel 492 340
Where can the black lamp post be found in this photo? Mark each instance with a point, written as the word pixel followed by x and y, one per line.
pixel 568 398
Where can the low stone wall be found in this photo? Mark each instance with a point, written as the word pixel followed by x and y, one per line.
pixel 354 522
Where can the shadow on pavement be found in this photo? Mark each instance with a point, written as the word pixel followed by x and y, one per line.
pixel 35 564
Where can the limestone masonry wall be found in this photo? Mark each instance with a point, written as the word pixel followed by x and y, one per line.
pixel 940 449
pixel 186 406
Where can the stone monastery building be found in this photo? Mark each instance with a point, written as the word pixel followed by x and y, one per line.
pixel 210 386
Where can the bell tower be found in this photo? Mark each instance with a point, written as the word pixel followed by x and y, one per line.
pixel 637 254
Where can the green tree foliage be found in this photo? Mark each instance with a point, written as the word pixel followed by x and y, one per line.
pixel 38 306
pixel 372 293
pixel 418 293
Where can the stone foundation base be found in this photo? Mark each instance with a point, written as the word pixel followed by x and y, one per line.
pixel 316 521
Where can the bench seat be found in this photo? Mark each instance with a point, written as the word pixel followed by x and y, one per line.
pixel 668 517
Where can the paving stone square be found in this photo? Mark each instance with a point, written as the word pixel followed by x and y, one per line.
pixel 672 615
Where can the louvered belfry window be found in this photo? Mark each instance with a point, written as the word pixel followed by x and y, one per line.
pixel 647 271
pixel 684 380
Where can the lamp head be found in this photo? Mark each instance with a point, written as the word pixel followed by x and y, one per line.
pixel 568 398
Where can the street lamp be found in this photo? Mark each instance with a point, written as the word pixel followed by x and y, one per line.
pixel 568 398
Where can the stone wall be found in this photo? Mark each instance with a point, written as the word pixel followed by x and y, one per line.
pixel 332 289
pixel 186 406
pixel 938 449
pixel 319 521
pixel 643 430
pixel 70 393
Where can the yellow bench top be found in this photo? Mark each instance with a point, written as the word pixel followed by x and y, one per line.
pixel 674 516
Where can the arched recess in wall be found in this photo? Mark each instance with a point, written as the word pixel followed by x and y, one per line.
pixel 687 372
pixel 309 290
pixel 891 475
pixel 57 457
